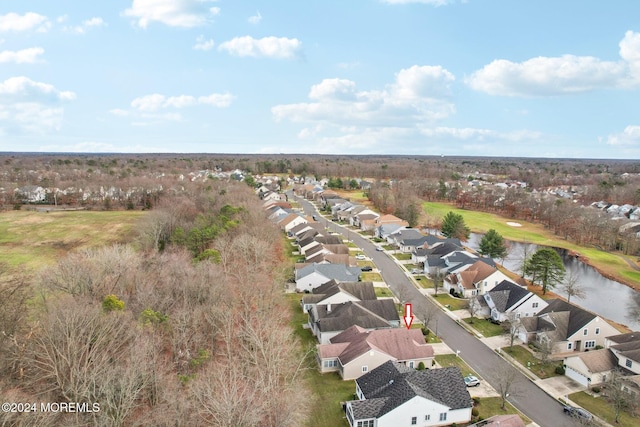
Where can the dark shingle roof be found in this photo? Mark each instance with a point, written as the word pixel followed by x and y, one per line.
pixel 392 384
pixel 506 294
pixel 367 314
pixel 578 317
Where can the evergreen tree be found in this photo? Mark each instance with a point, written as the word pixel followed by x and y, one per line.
pixel 453 226
pixel 545 268
pixel 492 245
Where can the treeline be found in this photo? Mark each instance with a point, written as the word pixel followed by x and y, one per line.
pixel 160 335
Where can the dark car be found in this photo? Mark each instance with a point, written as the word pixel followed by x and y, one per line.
pixel 583 414
pixel 366 268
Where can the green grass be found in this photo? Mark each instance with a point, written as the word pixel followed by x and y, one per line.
pixel 371 277
pixel 485 327
pixel 446 360
pixel 451 303
pixel 528 360
pixel 410 266
pixel 599 407
pixel 388 247
pixel 490 406
pixel 612 264
pixel 402 256
pixel 424 282
pixel 383 292
pixel 31 240
pixel 328 389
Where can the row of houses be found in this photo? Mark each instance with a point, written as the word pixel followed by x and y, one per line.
pixel 360 337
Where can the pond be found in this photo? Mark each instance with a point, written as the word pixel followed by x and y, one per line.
pixel 608 298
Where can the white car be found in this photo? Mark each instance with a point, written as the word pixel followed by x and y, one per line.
pixel 416 271
pixel 361 257
pixel 471 381
pixel 379 248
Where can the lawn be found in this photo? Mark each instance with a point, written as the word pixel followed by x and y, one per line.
pixel 452 303
pixel 328 389
pixel 424 282
pixel 402 256
pixel 599 407
pixel 528 360
pixel 371 277
pixel 32 239
pixel 485 327
pixel 490 406
pixel 446 360
pixel 611 264
pixel 383 292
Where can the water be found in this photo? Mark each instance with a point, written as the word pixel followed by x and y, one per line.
pixel 608 298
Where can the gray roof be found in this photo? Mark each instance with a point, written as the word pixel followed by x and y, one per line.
pixel 360 290
pixel 408 233
pixel 629 349
pixel 392 384
pixel 624 338
pixel 339 272
pixel 506 294
pixel 387 229
pixel 369 314
pixel 578 317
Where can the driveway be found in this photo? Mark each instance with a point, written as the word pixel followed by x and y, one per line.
pixel 535 403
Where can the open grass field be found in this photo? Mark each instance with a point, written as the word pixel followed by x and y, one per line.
pixel 609 264
pixel 31 240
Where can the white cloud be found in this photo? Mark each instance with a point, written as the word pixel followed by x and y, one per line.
pixel 24 56
pixel 99 147
pixel 419 94
pixel 628 138
pixel 30 106
pixel 567 74
pixel 87 24
pixel 156 101
pixel 255 19
pixel 432 2
pixel 174 13
pixel 269 47
pixel 28 21
pixel 203 44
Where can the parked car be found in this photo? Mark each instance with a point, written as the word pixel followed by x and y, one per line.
pixel 379 248
pixel 361 257
pixel 471 381
pixel 315 218
pixel 416 271
pixel 366 268
pixel 580 413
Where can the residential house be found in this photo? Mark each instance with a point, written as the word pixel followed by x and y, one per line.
pixel 394 395
pixel 373 223
pixel 327 321
pixel 565 327
pixel 590 368
pixel 626 349
pixel 477 279
pixel 385 230
pixel 357 351
pixel 507 301
pixel 313 275
pixel 290 221
pixel 334 292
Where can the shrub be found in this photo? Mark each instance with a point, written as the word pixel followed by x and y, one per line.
pixel 112 303
pixel 595 389
pixel 421 366
pixel 475 412
pixel 559 370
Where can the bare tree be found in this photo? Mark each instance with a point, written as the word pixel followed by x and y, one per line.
pixel 506 383
pixel 572 287
pixel 472 307
pixel 512 327
pixel 437 276
pixel 616 393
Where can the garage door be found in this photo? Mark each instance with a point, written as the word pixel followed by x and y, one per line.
pixel 576 376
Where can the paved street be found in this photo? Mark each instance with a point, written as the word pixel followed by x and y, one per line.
pixel 526 395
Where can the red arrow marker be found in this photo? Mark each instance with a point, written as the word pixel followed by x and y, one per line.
pixel 408 316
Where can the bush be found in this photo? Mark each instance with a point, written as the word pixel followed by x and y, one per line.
pixel 112 303
pixel 595 389
pixel 425 331
pixel 421 366
pixel 559 370
pixel 475 412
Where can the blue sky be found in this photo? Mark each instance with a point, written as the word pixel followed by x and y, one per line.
pixel 425 77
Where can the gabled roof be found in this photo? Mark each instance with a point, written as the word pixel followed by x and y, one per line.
pixel 360 290
pixel 391 384
pixel 407 234
pixel 387 229
pixel 399 343
pixel 338 272
pixel 367 314
pixel 624 338
pixel 599 360
pixel 506 294
pixel 630 350
pixel 444 248
pixel 578 318
pixel 329 240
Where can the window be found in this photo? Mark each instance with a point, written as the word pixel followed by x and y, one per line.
pixel 330 363
pixel 414 421
pixel 628 363
pixel 427 417
pixel 597 331
pixel 589 344
pixel 443 416
pixel 585 331
pixel 366 423
pixel 365 368
pixel 570 346
pixel 534 305
pixel 411 364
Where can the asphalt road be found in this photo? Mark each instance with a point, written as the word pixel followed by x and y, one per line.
pixel 543 409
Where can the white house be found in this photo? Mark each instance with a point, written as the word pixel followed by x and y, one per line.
pixel 394 395
pixel 590 368
pixel 506 301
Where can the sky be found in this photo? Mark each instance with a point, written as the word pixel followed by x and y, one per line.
pixel 536 78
